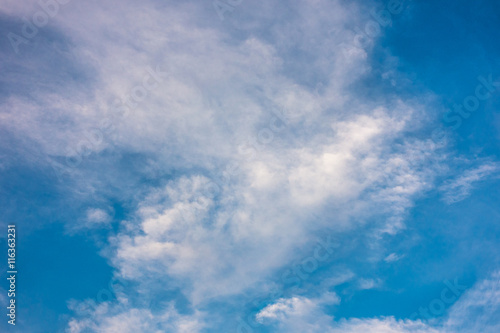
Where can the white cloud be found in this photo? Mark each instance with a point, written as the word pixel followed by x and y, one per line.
pixel 337 151
pixel 97 216
pixel 218 250
pixel 383 325
pixel 365 284
pixel 460 188
pixel 107 318
pixel 299 314
pixel 393 257
pixel 478 310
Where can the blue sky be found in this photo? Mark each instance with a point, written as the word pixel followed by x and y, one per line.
pixel 240 166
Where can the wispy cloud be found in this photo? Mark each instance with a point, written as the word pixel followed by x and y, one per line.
pixel 219 95
pixel 255 139
pixel 393 257
pixel 482 303
pixel 460 188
